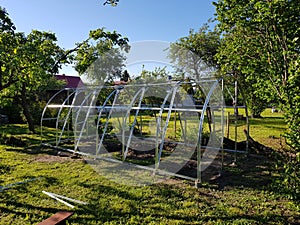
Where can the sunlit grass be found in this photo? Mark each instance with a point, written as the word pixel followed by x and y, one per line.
pixel 243 198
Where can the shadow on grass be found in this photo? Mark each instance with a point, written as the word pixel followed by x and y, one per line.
pixel 269 121
pixel 102 210
pixel 11 201
pixel 22 136
pixel 253 171
pixel 116 211
pixel 14 129
pixel 4 169
pixel 117 203
pixel 33 149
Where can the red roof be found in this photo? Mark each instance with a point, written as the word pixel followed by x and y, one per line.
pixel 119 82
pixel 71 81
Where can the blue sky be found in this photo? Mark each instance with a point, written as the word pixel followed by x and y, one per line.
pixel 139 20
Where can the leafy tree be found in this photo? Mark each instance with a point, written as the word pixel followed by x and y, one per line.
pixel 159 74
pixel 236 59
pixel 6 25
pixel 94 47
pixel 261 45
pixel 293 106
pixel 27 63
pixel 33 57
pixel 107 67
pixel 194 55
pixel 8 47
pixel 195 58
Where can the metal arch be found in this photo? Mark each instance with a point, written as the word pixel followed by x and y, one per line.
pixel 158 129
pixel 174 90
pixel 93 93
pixel 47 106
pixel 67 117
pixel 207 99
pixel 161 125
pixel 142 90
pixel 78 110
pixel 99 143
pixel 129 107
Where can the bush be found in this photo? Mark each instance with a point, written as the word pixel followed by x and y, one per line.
pixel 290 178
pixel 14 113
pixel 292 108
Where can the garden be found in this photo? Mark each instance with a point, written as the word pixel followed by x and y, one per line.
pixel 247 192
pixel 212 138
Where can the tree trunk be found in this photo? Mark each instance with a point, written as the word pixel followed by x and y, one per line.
pixel 26 110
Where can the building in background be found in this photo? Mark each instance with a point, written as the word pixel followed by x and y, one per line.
pixel 71 81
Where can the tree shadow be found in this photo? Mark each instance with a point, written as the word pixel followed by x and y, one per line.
pixel 12 203
pixel 252 171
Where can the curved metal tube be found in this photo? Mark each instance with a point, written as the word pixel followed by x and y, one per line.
pixel 124 152
pixel 134 121
pixel 201 128
pixel 174 90
pixel 87 101
pixel 158 130
pixel 67 117
pixel 84 122
pixel 99 144
pixel 46 107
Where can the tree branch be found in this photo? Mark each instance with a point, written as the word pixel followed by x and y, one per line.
pixel 111 2
pixel 68 52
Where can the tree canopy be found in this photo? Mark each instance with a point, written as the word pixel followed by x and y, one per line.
pixel 28 62
pixel 261 45
pixel 195 54
pixel 106 68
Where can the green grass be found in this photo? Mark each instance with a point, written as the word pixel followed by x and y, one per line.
pixel 242 196
pixel 267 130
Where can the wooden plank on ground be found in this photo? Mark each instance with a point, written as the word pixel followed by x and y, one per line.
pixel 58 218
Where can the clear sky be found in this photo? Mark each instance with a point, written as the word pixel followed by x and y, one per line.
pixel 139 20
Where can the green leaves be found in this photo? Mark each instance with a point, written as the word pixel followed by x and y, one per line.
pixel 293 106
pixel 258 44
pixel 6 25
pixel 98 43
pixel 27 65
pixel 196 52
pixel 261 44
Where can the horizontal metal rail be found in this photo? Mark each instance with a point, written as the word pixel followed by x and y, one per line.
pixel 116 108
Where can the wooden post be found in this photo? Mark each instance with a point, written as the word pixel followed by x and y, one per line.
pixel 175 127
pixel 141 125
pixel 227 124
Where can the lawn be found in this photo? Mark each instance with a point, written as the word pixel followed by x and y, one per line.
pixel 243 195
pixel 267 130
